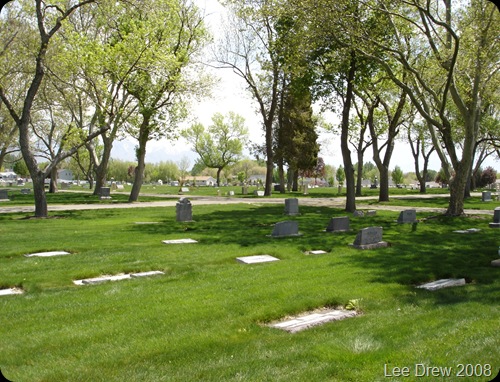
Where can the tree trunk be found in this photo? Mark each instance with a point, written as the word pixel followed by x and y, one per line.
pixel 269 159
pixel 359 179
pixel 141 161
pixel 383 195
pixel 53 181
pixel 350 205
pixel 295 183
pixel 219 170
pixel 101 170
pixel 281 172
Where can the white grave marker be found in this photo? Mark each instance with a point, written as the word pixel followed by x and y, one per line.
pixel 256 259
pixel 443 283
pixel 299 323
pixel 180 241
pixel 48 254
pixel 10 291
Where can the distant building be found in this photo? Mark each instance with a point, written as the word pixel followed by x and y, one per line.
pixel 201 181
pixel 65 176
pixel 8 176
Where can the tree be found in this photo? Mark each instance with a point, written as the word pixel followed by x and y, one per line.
pixel 340 176
pixel 166 74
pixel 458 75
pixel 397 175
pixel 420 144
pixel 221 144
pixel 488 177
pixel 49 19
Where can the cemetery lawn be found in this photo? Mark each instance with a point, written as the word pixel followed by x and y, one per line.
pixel 205 319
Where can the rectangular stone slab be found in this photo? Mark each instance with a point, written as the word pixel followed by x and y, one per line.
pixel 10 291
pixel 48 254
pixel 256 259
pixel 316 252
pixel 146 274
pixel 297 324
pixel 443 283
pixel 179 241
pixel 98 280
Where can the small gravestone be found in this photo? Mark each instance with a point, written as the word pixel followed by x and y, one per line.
pixel 244 190
pixel 443 283
pixel 340 224
pixel 315 252
pixel 25 191
pixel 486 196
pixel 407 216
pixel 306 189
pixel 120 187
pixel 308 320
pixel 258 193
pixel 48 254
pixel 371 213
pixel 105 193
pixel 184 189
pixel 495 263
pixel 230 193
pixel 496 218
pixel 114 186
pixel 286 228
pixel 4 195
pixel 184 210
pixel 470 230
pixel 292 206
pixel 147 274
pixel 256 259
pixel 369 238
pixel 10 291
pixel 179 241
pixel 358 214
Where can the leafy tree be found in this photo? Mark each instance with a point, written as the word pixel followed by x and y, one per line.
pixel 397 175
pixel 340 176
pixel 20 168
pixel 488 177
pixel 221 144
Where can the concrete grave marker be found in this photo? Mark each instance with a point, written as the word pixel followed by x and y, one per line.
pixel 358 214
pixel 486 196
pixel 10 291
pixel 470 230
pixel 258 193
pixel 315 252
pixel 105 193
pixel 369 238
pixel 184 189
pixel 184 210
pixel 256 259
pixel 371 213
pixel 495 263
pixel 179 241
pixel 48 254
pixel 443 283
pixel 25 191
pixel 147 274
pixel 496 218
pixel 286 228
pixel 292 206
pixel 407 216
pixel 302 322
pixel 340 224
pixel 126 276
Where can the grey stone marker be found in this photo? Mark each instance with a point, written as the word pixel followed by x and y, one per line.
pixel 369 238
pixel 486 196
pixel 371 213
pixel 299 323
pixel 443 283
pixel 358 214
pixel 184 210
pixel 495 263
pixel 340 224
pixel 407 216
pixel 292 206
pixel 48 254
pixel 25 191
pixel 256 259
pixel 496 218
pixel 4 195
pixel 105 193
pixel 286 228
pixel 147 274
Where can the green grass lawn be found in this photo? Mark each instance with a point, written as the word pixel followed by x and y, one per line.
pixel 204 319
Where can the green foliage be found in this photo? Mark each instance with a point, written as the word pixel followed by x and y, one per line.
pixel 340 175
pixel 397 175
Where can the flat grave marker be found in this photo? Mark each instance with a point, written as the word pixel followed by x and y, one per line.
pixel 126 276
pixel 302 322
pixel 315 252
pixel 256 259
pixel 470 230
pixel 48 254
pixel 10 291
pixel 179 241
pixel 443 283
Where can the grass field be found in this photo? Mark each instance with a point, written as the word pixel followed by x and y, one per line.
pixel 204 319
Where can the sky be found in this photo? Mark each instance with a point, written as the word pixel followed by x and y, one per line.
pixel 230 95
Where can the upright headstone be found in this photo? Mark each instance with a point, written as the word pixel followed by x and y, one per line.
pixel 114 186
pixel 291 206
pixel 4 195
pixel 369 238
pixel 358 214
pixel 105 193
pixel 407 216
pixel 244 190
pixel 306 189
pixel 496 218
pixel 486 196
pixel 340 224
pixel 286 228
pixel 184 211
